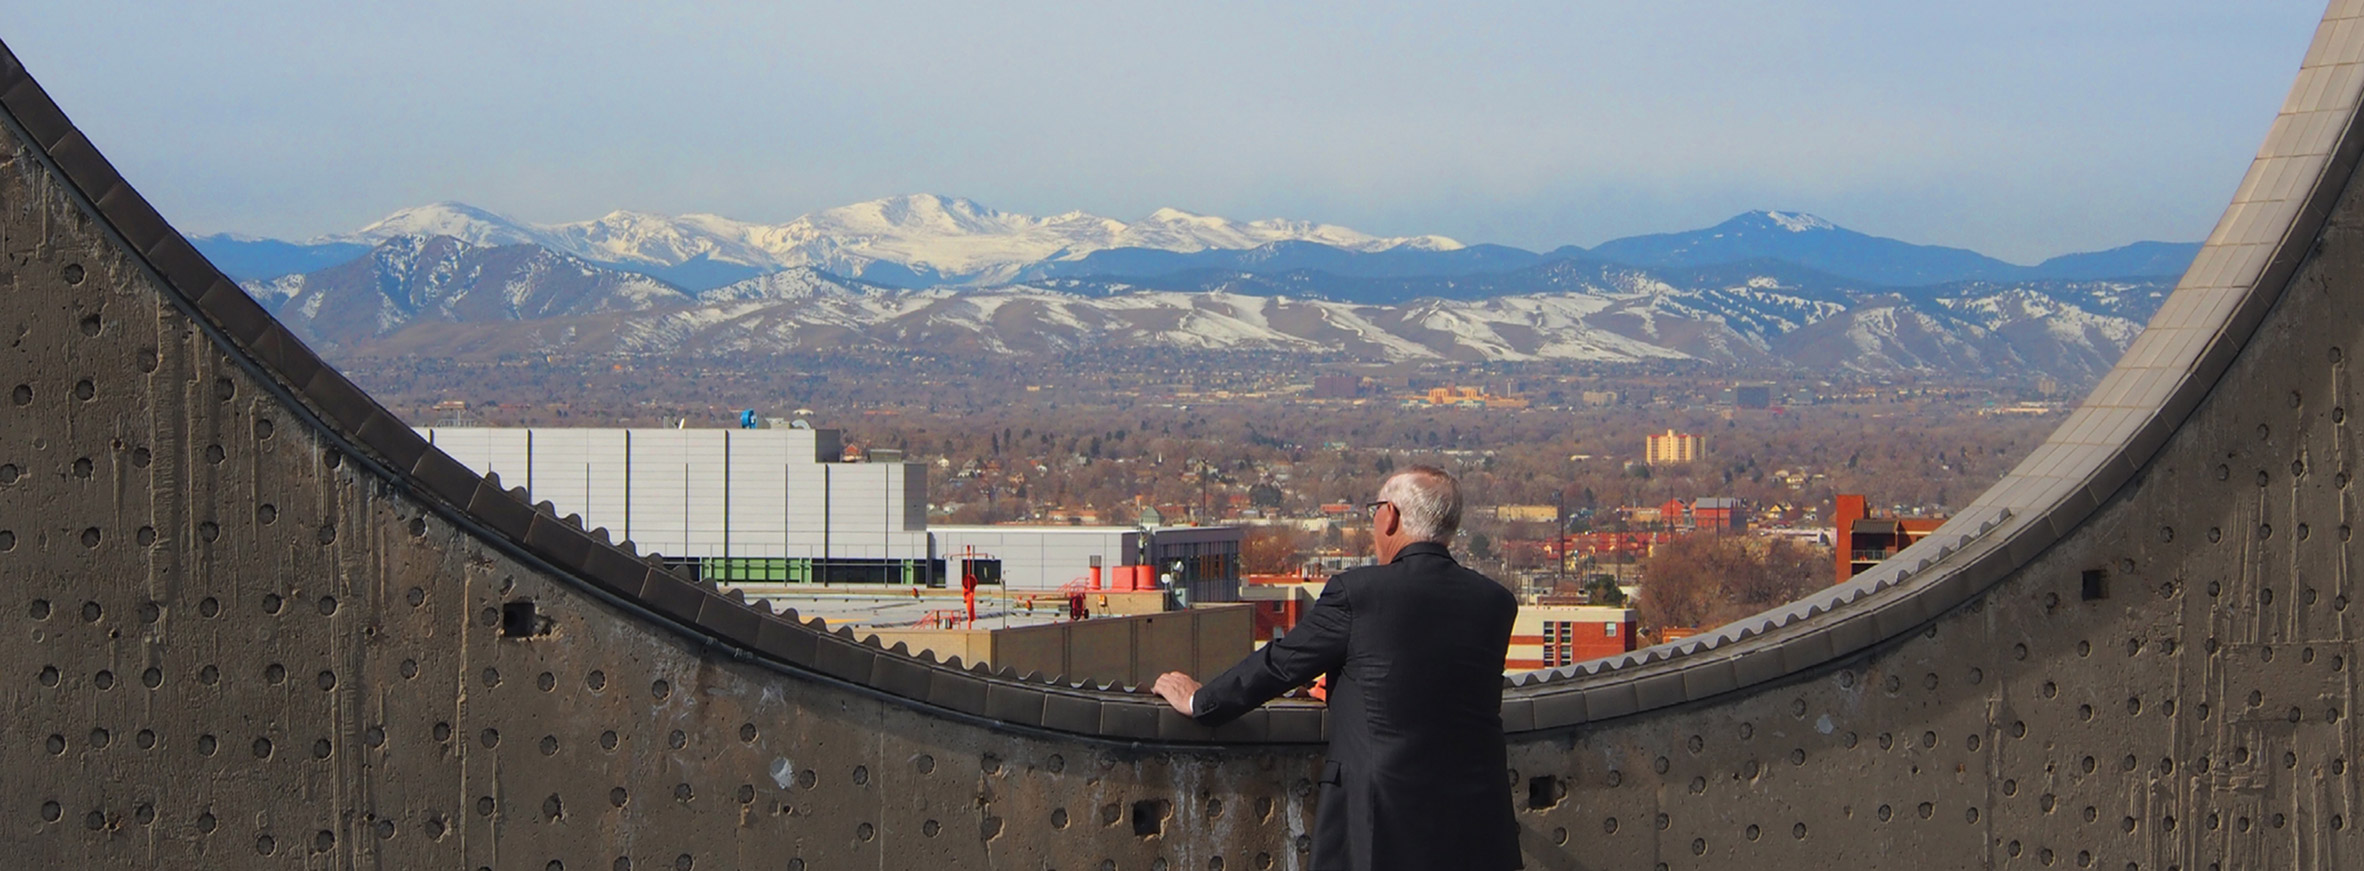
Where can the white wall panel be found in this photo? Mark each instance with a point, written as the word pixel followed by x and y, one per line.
pixel 768 493
pixel 711 492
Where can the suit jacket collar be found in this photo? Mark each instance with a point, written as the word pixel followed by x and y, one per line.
pixel 1429 548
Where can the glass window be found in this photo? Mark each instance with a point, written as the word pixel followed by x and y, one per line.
pixel 1609 629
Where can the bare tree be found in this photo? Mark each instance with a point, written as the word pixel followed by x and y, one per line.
pixel 1272 550
pixel 1706 580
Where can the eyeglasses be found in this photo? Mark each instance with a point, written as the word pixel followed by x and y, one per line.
pixel 1372 507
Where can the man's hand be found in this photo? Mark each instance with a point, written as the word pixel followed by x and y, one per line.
pixel 1177 689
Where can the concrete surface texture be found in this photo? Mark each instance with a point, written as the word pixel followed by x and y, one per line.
pixel 253 620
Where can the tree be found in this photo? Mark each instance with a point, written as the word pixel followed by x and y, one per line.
pixel 1679 584
pixel 1480 546
pixel 1784 571
pixel 1602 590
pixel 1707 580
pixel 1271 550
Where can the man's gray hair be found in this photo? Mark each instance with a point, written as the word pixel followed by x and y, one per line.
pixel 1428 500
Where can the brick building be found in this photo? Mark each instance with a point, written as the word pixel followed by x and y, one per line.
pixel 1547 636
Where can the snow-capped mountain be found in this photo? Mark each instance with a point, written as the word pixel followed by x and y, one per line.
pixel 442 296
pixel 459 221
pixel 911 241
pixel 923 241
pixel 406 280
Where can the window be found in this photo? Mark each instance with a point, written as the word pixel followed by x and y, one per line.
pixel 1609 629
pixel 1557 638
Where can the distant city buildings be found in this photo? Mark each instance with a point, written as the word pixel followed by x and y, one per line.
pixel 1620 546
pixel 1530 513
pixel 1337 387
pixel 1673 447
pixel 1704 514
pixel 1755 395
pixel 1464 397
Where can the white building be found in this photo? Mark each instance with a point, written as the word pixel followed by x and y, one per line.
pixel 781 505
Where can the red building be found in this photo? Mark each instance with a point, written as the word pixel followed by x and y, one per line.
pixel 1617 544
pixel 1674 514
pixel 1864 540
pixel 1718 514
pixel 1709 513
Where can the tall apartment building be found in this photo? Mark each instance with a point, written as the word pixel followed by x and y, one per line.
pixel 1673 447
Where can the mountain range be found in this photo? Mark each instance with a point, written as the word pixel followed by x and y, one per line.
pixel 443 297
pixel 924 240
pixel 1765 289
pixel 1801 240
pixel 920 240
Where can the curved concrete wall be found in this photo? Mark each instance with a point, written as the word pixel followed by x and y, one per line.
pixel 253 620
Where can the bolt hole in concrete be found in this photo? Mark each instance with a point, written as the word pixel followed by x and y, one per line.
pixel 1149 816
pixel 519 620
pixel 1544 792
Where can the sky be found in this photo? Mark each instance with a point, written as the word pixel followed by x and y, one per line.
pixel 2018 128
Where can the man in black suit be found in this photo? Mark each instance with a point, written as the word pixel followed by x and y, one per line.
pixel 1414 646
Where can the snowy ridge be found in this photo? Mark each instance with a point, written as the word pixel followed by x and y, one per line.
pixel 911 240
pixel 1799 222
pixel 444 296
pixel 407 280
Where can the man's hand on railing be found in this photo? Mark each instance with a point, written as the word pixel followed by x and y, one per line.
pixel 1177 689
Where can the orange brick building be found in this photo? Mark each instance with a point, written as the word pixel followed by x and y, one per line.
pixel 1545 636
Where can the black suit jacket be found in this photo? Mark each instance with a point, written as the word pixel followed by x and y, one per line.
pixel 1416 777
